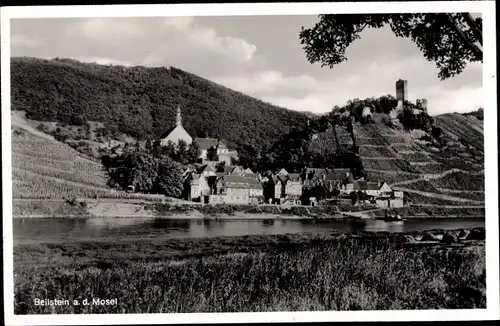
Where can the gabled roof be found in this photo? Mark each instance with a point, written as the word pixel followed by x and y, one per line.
pixel 206 168
pixel 206 143
pixel 294 177
pixel 338 174
pixel 364 185
pixel 234 179
pixel 175 134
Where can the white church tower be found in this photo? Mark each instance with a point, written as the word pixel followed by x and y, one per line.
pixel 178 132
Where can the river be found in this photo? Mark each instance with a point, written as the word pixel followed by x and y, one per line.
pixel 56 230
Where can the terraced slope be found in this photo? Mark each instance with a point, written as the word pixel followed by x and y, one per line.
pixel 449 175
pixel 43 168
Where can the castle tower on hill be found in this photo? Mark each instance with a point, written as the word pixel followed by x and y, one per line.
pixel 402 90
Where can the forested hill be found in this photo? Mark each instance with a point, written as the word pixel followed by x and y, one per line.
pixel 142 102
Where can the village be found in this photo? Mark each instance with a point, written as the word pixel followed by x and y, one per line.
pixel 219 182
pixel 215 180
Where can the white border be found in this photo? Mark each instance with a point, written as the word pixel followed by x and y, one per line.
pixel 487 8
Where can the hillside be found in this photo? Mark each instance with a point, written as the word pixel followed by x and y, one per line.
pixel 141 102
pixel 92 104
pixel 43 168
pixel 449 172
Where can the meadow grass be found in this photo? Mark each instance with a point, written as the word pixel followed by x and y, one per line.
pixel 251 273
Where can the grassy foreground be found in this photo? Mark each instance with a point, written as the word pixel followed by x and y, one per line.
pixel 252 273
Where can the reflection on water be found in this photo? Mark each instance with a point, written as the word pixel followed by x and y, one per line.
pixel 108 229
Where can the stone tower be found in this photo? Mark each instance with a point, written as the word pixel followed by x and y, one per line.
pixel 424 104
pixel 178 121
pixel 402 90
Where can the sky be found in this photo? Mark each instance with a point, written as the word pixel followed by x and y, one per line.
pixel 258 55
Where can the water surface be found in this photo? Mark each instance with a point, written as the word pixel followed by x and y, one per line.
pixel 46 230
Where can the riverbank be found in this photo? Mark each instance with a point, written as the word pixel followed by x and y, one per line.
pixel 324 271
pixel 86 209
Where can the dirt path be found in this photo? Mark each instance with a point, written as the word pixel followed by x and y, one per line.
pixel 379 158
pixel 447 206
pixel 392 172
pixel 439 196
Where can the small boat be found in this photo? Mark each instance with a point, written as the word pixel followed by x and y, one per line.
pixel 392 218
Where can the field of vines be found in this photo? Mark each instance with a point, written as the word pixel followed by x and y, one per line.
pixel 390 177
pixel 86 176
pixel 460 181
pixel 369 151
pixel 370 141
pixel 419 199
pixel 415 157
pixel 432 168
pixel 389 165
pixel 34 157
pixel 466 195
pixel 39 147
pixel 458 163
pixel 404 147
pixel 33 186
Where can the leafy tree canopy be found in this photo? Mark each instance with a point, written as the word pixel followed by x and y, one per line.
pixel 451 40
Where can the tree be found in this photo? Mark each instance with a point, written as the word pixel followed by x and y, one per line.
pixel 212 154
pixel 354 197
pixel 193 152
pixel 169 180
pixel 132 167
pixel 451 40
pixel 361 196
pixel 143 170
pixel 168 150
pixel 149 145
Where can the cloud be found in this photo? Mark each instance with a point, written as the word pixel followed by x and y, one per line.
pixel 22 40
pixel 257 55
pixel 306 93
pixel 207 38
pixel 264 82
pixel 158 40
pixel 105 61
pixel 105 29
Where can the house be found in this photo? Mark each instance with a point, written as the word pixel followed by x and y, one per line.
pixel 206 144
pixel 284 187
pixel 292 187
pixel 198 187
pixel 218 146
pixel 273 189
pixel 337 179
pixel 256 191
pixel 372 189
pixel 177 133
pixel 231 189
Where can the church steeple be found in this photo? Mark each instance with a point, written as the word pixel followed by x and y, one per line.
pixel 178 121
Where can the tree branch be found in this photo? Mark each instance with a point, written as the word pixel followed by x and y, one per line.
pixel 477 32
pixel 465 39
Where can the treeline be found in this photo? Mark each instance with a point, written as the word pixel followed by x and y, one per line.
pixel 293 152
pixel 148 170
pixel 142 102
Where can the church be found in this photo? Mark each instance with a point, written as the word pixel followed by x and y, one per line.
pixel 206 144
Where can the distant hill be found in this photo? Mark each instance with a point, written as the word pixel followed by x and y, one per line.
pixel 142 102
